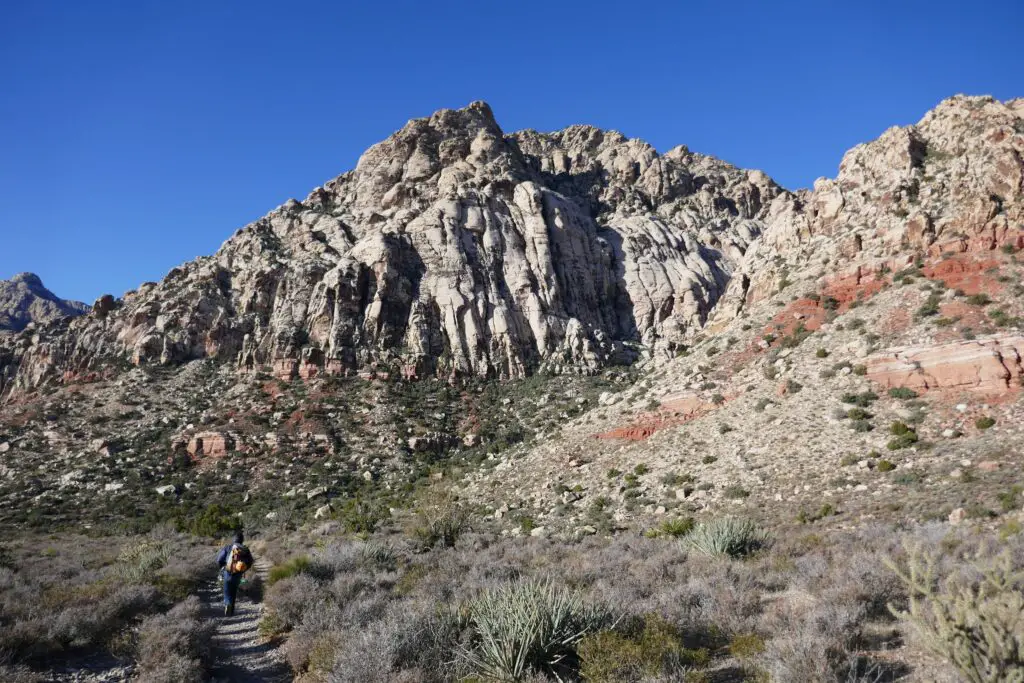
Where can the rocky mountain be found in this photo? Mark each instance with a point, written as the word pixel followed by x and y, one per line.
pixel 451 249
pixel 24 300
pixel 718 338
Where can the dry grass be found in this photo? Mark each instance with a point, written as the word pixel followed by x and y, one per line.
pixel 401 614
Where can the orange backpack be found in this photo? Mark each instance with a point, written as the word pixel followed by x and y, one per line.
pixel 238 562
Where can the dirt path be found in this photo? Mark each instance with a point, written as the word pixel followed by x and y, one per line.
pixel 240 655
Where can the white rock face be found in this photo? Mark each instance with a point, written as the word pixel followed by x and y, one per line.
pixel 452 248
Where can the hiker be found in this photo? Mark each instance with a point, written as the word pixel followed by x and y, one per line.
pixel 234 560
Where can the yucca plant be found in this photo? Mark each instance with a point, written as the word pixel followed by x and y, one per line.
pixel 727 536
pixel 528 626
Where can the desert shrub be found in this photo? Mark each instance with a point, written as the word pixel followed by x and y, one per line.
pixel 441 524
pixel 860 370
pixel 902 393
pixel 984 422
pixel 292 567
pixel 821 353
pixel 287 601
pixel 973 621
pixel 885 466
pixel 214 521
pixel 930 306
pixel 903 436
pixel 727 536
pixel 1010 500
pixel 979 299
pixel 652 651
pixel 735 492
pixel 139 561
pixel 863 399
pixel 528 626
pixel 418 639
pixel 174 647
pixel 858 414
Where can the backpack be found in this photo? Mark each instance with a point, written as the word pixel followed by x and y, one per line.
pixel 239 560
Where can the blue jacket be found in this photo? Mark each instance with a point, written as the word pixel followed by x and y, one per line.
pixel 225 554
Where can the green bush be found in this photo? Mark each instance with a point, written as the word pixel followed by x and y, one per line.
pixel 885 466
pixel 863 399
pixel 293 567
pixel 530 626
pixel 979 299
pixel 858 414
pixel 904 436
pixel 984 422
pixel 727 536
pixel 652 651
pixel 214 521
pixel 902 393
pixel 930 306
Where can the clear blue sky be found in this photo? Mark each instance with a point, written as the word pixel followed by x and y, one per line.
pixel 138 135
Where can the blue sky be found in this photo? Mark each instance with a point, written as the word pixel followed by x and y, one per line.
pixel 135 136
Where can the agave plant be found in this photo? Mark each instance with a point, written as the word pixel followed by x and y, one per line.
pixel 530 625
pixel 727 536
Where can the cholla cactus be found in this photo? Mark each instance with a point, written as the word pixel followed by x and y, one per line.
pixel 976 624
pixel 728 536
pixel 529 625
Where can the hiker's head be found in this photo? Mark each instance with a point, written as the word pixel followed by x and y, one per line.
pixel 239 538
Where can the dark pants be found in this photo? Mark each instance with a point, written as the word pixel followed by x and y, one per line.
pixel 231 582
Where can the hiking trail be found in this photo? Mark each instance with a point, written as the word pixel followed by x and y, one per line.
pixel 240 654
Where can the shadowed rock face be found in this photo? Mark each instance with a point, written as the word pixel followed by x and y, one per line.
pixel 452 248
pixel 24 300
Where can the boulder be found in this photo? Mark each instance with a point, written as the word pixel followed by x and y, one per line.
pixel 210 444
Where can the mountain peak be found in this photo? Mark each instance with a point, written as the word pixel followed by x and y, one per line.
pixel 24 299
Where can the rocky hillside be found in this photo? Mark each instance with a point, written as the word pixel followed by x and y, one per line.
pixel 24 300
pixel 777 343
pixel 865 362
pixel 452 249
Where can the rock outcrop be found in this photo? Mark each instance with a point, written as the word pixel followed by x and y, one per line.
pixel 987 366
pixel 455 249
pixel 952 183
pixel 452 248
pixel 24 300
